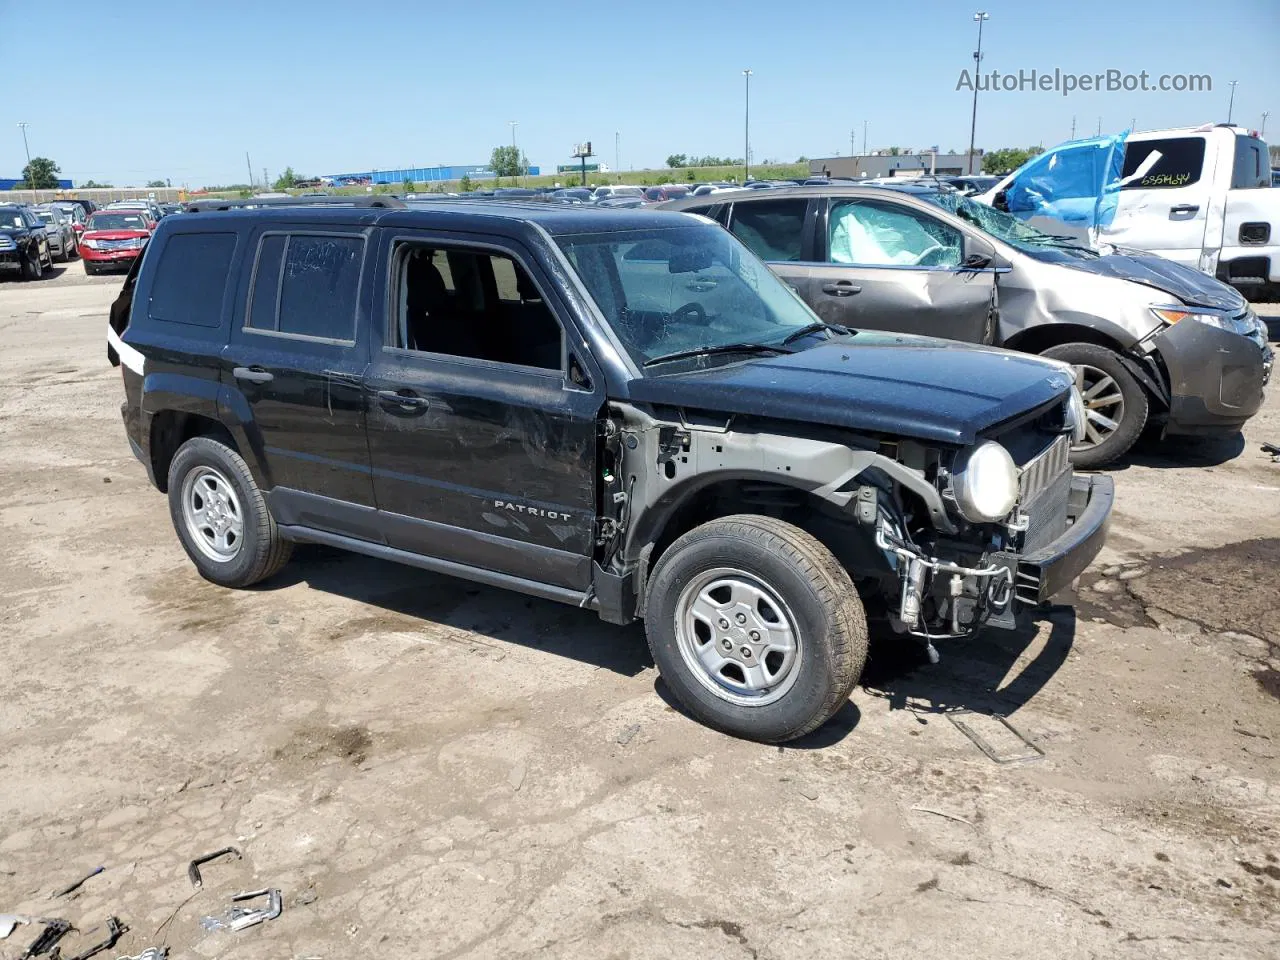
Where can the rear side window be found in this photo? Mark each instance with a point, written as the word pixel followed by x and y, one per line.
pixel 772 229
pixel 191 279
pixel 307 285
pixel 1250 169
pixel 1179 164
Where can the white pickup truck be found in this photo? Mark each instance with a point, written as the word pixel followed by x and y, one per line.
pixel 1199 195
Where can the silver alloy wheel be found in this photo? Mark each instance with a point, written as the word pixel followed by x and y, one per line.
pixel 1103 405
pixel 211 511
pixel 738 637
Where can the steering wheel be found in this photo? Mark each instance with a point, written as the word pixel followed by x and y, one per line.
pixel 693 311
pixel 926 253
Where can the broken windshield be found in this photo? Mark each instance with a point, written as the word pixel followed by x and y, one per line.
pixel 683 290
pixel 1006 227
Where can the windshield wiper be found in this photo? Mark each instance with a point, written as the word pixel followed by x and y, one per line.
pixel 808 328
pixel 713 350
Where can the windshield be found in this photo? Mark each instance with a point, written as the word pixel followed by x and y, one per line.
pixel 680 288
pixel 1006 227
pixel 10 219
pixel 117 221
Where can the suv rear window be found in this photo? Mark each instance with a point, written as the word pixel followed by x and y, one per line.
pixel 306 285
pixel 1180 163
pixel 191 279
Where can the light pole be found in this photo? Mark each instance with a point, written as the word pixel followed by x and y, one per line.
pixel 981 16
pixel 617 155
pixel 22 124
pixel 1232 102
pixel 514 123
pixel 864 137
pixel 746 134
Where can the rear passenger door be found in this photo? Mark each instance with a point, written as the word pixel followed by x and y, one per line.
pixel 482 432
pixel 294 373
pixel 779 232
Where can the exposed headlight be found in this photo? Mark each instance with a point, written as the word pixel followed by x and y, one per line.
pixel 90 243
pixel 984 482
pixel 1210 318
pixel 1076 415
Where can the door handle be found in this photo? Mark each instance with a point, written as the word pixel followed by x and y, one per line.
pixel 1183 210
pixel 407 402
pixel 841 288
pixel 252 374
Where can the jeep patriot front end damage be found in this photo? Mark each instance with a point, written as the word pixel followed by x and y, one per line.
pixel 624 411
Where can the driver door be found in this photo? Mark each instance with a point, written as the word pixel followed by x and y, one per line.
pixel 886 265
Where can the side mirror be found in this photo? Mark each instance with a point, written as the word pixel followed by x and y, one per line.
pixel 977 261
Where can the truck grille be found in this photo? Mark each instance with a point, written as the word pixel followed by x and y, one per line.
pixel 1044 487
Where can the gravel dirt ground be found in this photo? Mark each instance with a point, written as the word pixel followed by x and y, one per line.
pixel 431 769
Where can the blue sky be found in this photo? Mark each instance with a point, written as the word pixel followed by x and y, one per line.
pixel 181 90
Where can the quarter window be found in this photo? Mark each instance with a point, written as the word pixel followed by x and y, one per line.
pixel 1179 164
pixel 191 279
pixel 871 233
pixel 771 229
pixel 306 285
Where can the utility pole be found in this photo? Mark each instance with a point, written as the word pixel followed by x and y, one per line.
pixel 617 154
pixel 1262 133
pixel 22 125
pixel 1099 132
pixel 1232 102
pixel 1073 126
pixel 981 17
pixel 266 184
pixel 746 135
pixel 249 165
pixel 864 137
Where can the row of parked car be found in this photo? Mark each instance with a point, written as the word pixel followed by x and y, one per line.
pixel 34 237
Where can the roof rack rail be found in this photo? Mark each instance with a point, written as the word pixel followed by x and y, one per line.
pixel 253 203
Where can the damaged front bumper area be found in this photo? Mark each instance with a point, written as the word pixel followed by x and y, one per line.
pixel 995 589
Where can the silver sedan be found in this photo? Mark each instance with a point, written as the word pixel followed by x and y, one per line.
pixel 62 236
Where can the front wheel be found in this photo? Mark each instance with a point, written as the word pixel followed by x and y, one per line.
pixel 1115 403
pixel 755 627
pixel 33 268
pixel 221 516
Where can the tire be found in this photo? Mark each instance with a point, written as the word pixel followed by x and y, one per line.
pixel 1099 369
pixel 205 471
pixel 74 250
pixel 762 578
pixel 33 269
pixel 64 253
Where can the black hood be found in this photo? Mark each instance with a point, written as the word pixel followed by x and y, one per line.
pixel 1191 287
pixel 917 387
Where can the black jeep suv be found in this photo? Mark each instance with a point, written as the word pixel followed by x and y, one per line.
pixel 621 410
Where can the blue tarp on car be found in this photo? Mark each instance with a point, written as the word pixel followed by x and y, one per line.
pixel 1076 182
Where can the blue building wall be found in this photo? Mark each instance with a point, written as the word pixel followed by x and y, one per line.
pixel 6 184
pixel 419 174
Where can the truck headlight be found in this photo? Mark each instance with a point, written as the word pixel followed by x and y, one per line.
pixel 1076 415
pixel 984 482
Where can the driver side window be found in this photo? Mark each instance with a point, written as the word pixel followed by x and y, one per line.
pixel 876 234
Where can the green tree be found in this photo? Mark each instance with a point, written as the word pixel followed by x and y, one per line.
pixel 91 184
pixel 465 185
pixel 678 160
pixel 505 161
pixel 156 183
pixel 40 174
pixel 1007 159
pixel 409 186
pixel 287 179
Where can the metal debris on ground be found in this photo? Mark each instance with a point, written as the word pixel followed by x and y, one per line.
pixel 54 930
pixel 966 720
pixel 115 930
pixel 1272 449
pixel 241 918
pixel 151 953
pixel 193 868
pixel 73 887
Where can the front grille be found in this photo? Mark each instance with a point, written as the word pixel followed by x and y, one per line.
pixel 1044 486
pixel 117 244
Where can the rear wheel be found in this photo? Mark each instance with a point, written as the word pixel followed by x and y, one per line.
pixel 755 627
pixel 221 516
pixel 1116 404
pixel 33 267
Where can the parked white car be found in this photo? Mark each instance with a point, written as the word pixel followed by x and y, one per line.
pixel 1201 196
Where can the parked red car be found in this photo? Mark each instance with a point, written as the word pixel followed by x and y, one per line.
pixel 114 238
